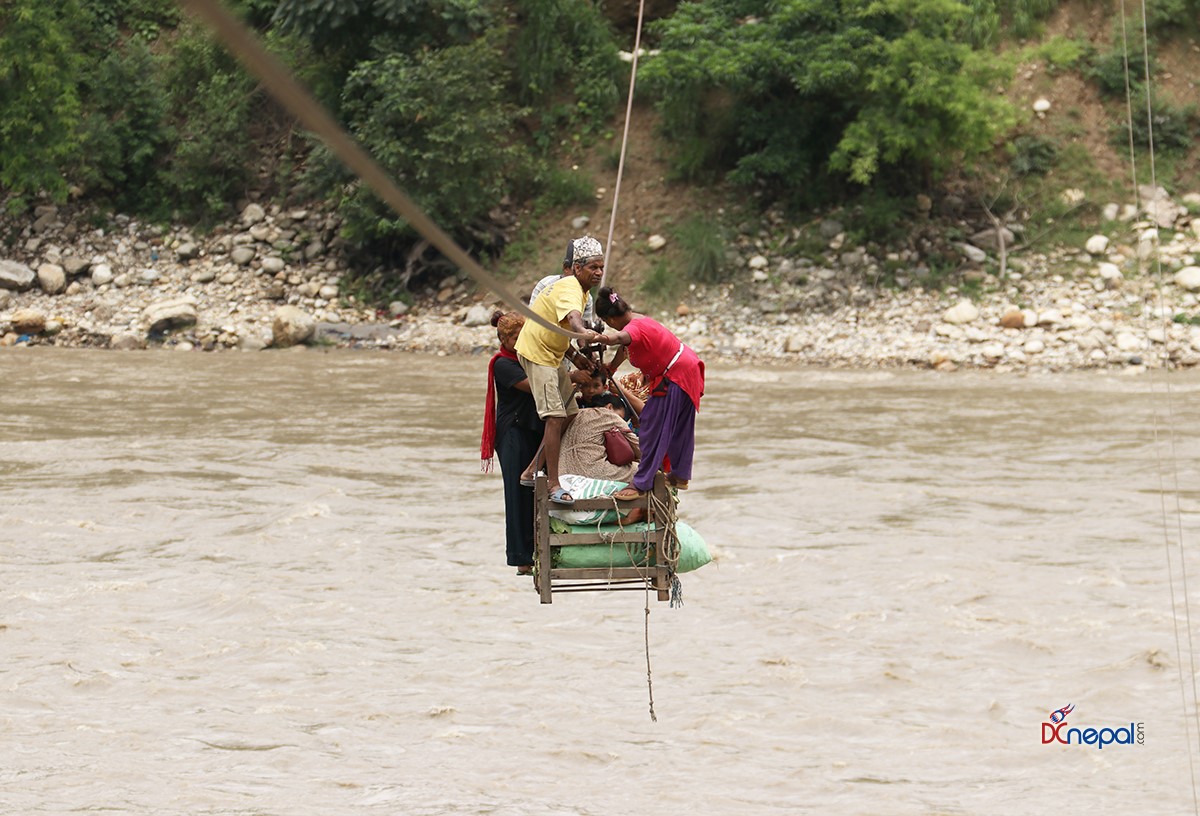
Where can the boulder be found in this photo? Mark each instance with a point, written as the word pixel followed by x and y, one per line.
pixel 101 274
pixel 1188 278
pixel 291 326
pixel 28 321
pixel 1097 245
pixel 16 276
pixel 52 278
pixel 169 315
pixel 477 315
pixel 253 214
pixel 960 313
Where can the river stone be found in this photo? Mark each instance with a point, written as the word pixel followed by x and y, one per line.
pixel 1034 346
pixel 329 292
pixel 74 265
pixel 186 251
pixel 101 274
pixel 992 351
pixel 168 315
pixel 397 308
pixel 1128 341
pixel 251 342
pixel 1188 278
pixel 656 242
pixel 16 276
pixel 478 315
pixel 28 321
pixel 962 312
pixel 273 265
pixel 1050 317
pixel 1041 105
pixel 1097 245
pixel 972 253
pixel 126 341
pixel 253 214
pixel 228 278
pixel 204 276
pixel 291 327
pixel 1013 319
pixel 5 298
pixel 759 262
pixel 242 255
pixel 52 278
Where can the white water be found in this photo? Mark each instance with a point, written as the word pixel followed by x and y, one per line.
pixel 275 584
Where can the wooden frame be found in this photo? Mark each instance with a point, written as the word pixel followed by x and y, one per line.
pixel 549 579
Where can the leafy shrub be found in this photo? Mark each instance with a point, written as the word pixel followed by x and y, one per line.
pixel 702 243
pixel 1171 126
pixel 815 90
pixel 1063 54
pixel 567 44
pixel 1033 155
pixel 124 128
pixel 435 121
pixel 213 101
pixel 39 103
pixel 1108 70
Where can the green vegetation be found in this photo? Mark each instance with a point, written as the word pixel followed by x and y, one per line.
pixel 815 100
pixel 474 105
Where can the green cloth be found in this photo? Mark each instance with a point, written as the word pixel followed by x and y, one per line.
pixel 693 551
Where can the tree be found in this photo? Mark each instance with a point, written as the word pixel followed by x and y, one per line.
pixel 808 96
pixel 39 103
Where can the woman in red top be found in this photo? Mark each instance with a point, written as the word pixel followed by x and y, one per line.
pixel 675 376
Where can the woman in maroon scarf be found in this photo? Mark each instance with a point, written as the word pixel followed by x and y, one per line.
pixel 675 376
pixel 511 432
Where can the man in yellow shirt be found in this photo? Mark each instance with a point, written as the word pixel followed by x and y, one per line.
pixel 540 351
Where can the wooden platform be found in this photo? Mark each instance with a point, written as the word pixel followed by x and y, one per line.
pixel 660 511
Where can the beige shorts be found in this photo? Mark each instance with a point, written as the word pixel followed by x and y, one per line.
pixel 552 389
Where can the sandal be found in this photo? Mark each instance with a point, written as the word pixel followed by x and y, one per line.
pixel 678 484
pixel 525 570
pixel 628 494
pixel 560 496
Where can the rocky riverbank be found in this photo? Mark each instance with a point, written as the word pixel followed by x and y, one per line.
pixel 276 278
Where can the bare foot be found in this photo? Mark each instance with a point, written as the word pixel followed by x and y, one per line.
pixel 526 570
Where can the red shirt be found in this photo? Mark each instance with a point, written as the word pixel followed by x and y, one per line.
pixel 651 347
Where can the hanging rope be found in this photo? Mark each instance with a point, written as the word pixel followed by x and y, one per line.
pixel 612 218
pixel 1170 424
pixel 301 104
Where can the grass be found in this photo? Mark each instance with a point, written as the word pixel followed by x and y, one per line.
pixel 701 242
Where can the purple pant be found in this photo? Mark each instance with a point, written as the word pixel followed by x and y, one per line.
pixel 667 428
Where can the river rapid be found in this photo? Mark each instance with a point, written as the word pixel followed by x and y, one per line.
pixel 274 584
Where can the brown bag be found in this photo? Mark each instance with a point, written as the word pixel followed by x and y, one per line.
pixel 617 449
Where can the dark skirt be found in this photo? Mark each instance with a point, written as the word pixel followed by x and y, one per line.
pixel 515 448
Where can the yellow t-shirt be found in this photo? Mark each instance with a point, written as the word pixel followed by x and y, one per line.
pixel 537 343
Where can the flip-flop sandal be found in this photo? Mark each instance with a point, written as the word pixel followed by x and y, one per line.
pixel 527 483
pixel 628 494
pixel 557 496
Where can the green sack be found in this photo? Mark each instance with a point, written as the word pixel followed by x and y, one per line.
pixel 693 552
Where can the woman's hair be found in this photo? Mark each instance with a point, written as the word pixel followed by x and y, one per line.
pixel 610 304
pixel 508 325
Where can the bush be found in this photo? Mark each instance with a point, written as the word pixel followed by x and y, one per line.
pixel 567 44
pixel 1033 155
pixel 124 127
pixel 213 100
pixel 1108 70
pixel 39 103
pixel 702 243
pixel 1170 125
pixel 814 91
pixel 436 122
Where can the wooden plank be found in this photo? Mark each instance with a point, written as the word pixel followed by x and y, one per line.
pixel 619 540
pixel 541 540
pixel 587 573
